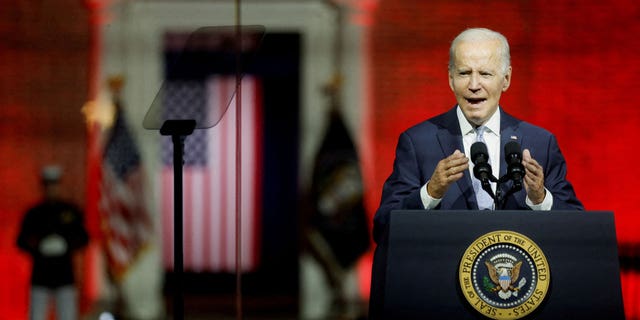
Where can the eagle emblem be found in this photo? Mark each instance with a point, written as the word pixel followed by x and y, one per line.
pixel 504 272
pixel 500 279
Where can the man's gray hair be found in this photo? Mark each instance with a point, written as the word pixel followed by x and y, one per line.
pixel 482 34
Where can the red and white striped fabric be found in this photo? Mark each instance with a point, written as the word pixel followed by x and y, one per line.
pixel 209 180
pixel 125 219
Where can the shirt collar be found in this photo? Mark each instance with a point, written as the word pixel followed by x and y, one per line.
pixel 493 125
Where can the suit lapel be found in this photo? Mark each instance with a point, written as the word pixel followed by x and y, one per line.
pixel 450 139
pixel 449 134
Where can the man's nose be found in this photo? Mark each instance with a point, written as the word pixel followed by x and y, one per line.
pixel 474 83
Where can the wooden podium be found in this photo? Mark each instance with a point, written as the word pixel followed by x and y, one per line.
pixel 420 268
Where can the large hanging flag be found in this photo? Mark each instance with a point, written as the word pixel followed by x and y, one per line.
pixel 209 175
pixel 126 224
pixel 337 195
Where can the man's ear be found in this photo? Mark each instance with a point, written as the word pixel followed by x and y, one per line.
pixel 451 80
pixel 507 80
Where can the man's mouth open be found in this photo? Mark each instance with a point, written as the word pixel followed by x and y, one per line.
pixel 475 101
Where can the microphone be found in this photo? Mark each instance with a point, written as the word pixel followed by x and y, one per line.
pixel 480 159
pixel 513 157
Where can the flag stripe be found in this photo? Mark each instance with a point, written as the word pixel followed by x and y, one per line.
pixel 167 214
pixel 197 235
pixel 216 204
pixel 187 218
pixel 222 228
pixel 206 221
pixel 230 187
pixel 187 215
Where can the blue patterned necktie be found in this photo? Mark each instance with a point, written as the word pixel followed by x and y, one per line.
pixel 485 202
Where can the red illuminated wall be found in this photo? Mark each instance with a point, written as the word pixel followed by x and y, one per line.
pixel 575 70
pixel 573 73
pixel 43 63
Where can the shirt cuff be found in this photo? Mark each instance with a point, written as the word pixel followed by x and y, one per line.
pixel 545 205
pixel 428 201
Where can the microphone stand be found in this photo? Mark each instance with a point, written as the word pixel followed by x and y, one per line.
pixel 486 186
pixel 499 198
pixel 515 187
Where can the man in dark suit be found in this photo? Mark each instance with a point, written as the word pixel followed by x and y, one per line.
pixel 432 170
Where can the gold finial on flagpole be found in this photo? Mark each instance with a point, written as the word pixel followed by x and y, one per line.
pixel 101 111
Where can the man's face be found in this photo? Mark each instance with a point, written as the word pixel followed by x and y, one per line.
pixel 478 79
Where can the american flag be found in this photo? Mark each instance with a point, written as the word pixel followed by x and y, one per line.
pixel 126 222
pixel 209 175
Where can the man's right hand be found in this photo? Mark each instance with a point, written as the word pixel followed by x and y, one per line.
pixel 448 171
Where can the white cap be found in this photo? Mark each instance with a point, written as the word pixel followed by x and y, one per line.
pixel 51 173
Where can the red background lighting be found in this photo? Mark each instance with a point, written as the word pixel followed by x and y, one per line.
pixel 574 68
pixel 575 65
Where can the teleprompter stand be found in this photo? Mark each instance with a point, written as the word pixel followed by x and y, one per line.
pixel 173 120
pixel 178 130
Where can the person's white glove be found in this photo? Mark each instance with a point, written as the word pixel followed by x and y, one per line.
pixel 53 246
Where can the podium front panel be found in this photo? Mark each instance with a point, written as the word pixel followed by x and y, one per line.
pixel 424 250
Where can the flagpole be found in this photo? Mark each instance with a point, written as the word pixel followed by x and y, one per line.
pixel 91 287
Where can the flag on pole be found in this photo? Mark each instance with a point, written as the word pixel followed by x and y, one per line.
pixel 209 176
pixel 337 195
pixel 126 224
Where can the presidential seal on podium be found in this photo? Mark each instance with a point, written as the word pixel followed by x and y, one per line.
pixel 504 275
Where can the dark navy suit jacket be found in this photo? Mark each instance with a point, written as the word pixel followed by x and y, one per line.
pixel 422 146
